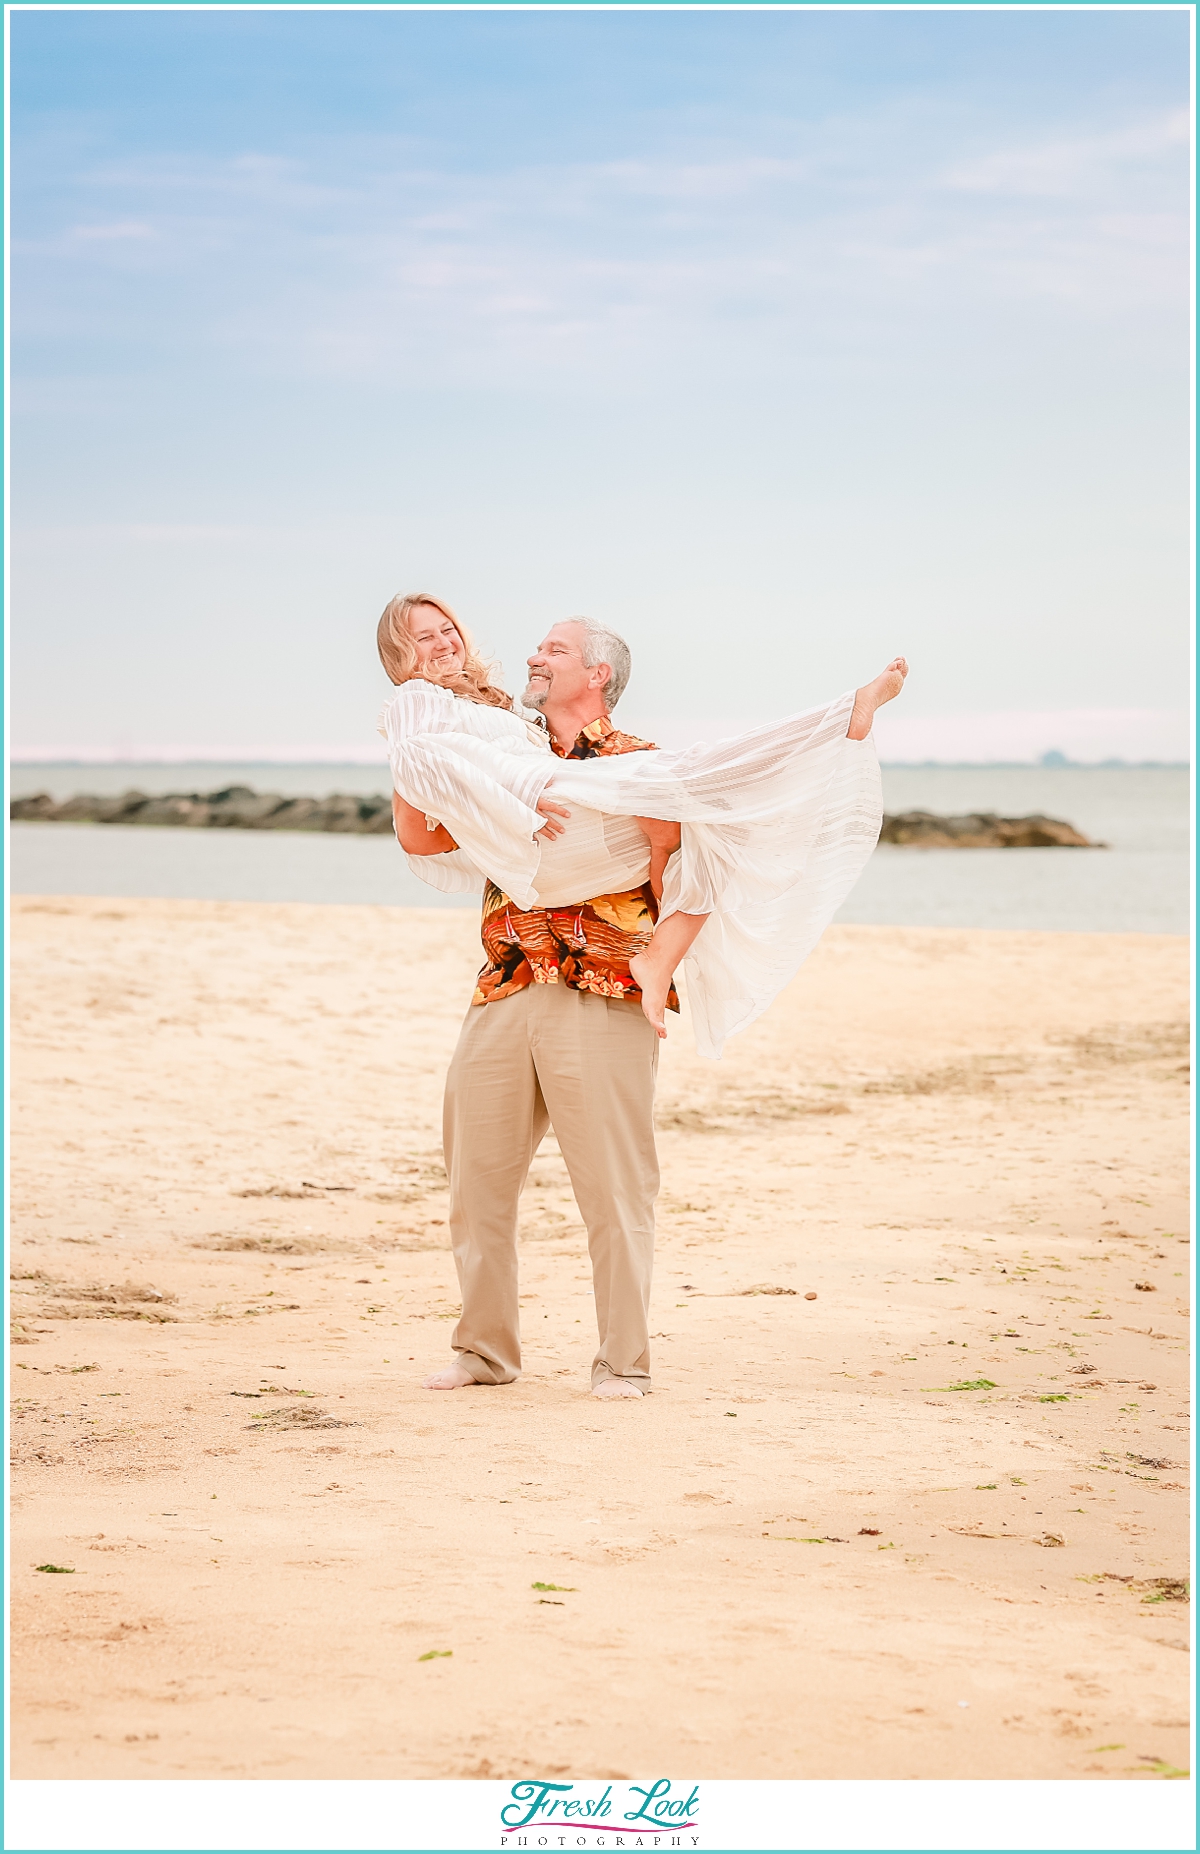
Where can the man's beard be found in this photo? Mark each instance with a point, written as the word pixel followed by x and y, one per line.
pixel 536 697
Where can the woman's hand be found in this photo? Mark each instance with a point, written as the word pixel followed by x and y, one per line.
pixel 551 812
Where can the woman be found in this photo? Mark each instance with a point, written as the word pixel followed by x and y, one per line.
pixel 775 825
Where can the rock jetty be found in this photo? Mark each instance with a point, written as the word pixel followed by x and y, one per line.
pixel 983 830
pixel 235 807
pixel 239 807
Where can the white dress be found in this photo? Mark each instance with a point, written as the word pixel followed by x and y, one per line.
pixel 776 826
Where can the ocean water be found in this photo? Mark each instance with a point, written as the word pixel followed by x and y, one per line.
pixel 1140 884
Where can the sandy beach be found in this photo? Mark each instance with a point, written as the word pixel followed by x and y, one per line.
pixel 910 1497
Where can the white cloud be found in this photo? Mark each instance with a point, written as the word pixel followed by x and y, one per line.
pixel 695 180
pixel 119 232
pixel 355 262
pixel 1074 165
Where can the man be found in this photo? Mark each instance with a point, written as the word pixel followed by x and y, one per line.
pixel 555 1037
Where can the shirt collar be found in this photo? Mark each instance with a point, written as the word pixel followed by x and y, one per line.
pixel 588 736
pixel 596 730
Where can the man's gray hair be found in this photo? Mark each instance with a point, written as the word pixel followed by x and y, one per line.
pixel 600 645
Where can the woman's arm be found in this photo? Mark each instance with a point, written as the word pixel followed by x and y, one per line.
pixel 417 838
pixel 484 780
pixel 413 833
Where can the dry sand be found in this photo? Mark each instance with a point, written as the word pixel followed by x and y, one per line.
pixel 808 1554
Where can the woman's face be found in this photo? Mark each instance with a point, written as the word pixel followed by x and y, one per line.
pixel 438 644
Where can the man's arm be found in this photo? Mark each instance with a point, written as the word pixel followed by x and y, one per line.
pixel 413 833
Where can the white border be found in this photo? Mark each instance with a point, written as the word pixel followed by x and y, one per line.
pixel 358 1815
pixel 5 1058
pixel 464 1816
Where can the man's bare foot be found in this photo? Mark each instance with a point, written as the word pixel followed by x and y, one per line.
pixel 654 985
pixel 617 1387
pixel 454 1377
pixel 873 695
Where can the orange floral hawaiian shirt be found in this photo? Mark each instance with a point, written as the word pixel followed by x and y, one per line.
pixel 587 946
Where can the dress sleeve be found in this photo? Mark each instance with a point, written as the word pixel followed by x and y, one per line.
pixel 451 873
pixel 776 825
pixel 476 772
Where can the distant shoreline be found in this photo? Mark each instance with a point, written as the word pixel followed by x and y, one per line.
pixel 233 759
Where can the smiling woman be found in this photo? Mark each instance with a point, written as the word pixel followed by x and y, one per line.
pixel 419 635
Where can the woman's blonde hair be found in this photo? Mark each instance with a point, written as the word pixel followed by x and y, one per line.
pixel 398 653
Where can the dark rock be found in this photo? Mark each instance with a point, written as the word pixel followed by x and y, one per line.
pixel 37 806
pixel 983 830
pixel 296 814
pixel 234 807
pixel 338 812
pixel 240 807
pixel 177 809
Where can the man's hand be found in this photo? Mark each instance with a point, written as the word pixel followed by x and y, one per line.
pixel 414 834
pixel 551 812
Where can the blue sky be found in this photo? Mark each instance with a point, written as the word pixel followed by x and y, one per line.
pixel 782 341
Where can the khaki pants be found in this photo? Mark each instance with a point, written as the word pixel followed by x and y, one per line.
pixel 584 1065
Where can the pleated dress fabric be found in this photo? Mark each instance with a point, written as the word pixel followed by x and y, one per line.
pixel 777 825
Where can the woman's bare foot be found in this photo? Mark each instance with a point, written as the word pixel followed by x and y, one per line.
pixel 873 695
pixel 617 1387
pixel 654 983
pixel 454 1377
pixel 653 970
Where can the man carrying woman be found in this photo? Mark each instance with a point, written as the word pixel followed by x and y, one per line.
pixel 733 857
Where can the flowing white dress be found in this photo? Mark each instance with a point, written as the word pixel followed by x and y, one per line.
pixel 776 826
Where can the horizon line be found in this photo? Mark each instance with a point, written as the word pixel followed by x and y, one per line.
pixel 1043 763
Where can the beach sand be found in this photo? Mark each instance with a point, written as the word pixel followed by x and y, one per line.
pixel 810 1553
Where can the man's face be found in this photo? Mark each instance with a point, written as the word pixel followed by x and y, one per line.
pixel 557 671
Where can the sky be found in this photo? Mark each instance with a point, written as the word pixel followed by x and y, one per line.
pixel 782 341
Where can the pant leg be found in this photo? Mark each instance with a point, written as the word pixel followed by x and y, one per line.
pixel 596 1061
pixel 494 1118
